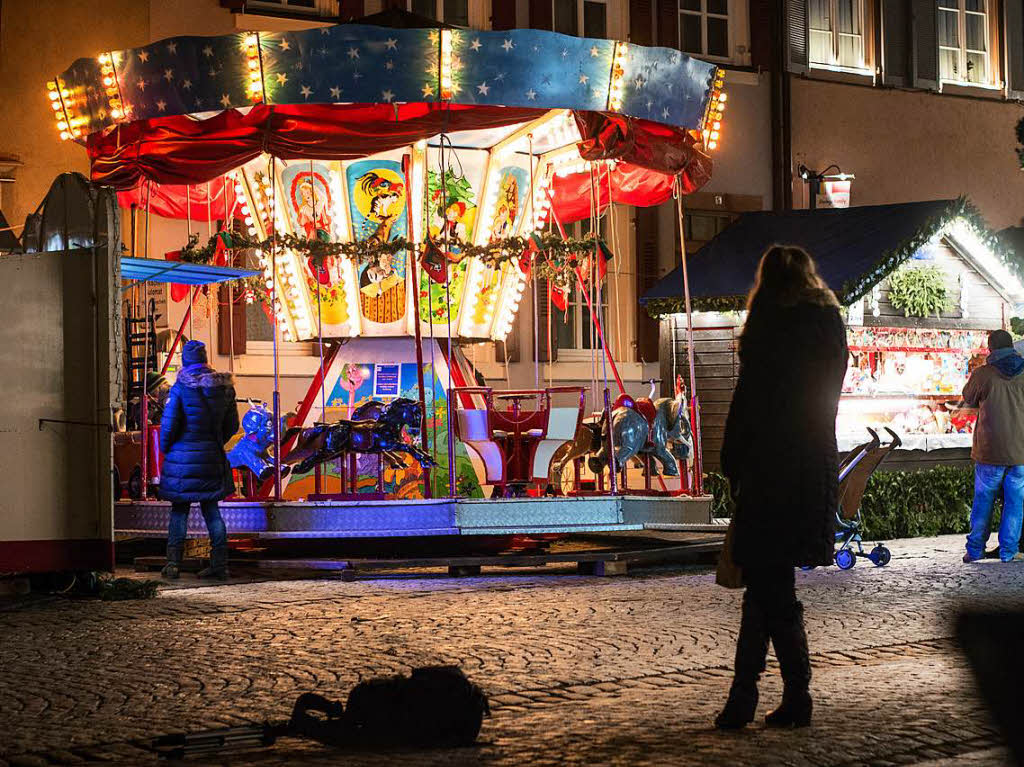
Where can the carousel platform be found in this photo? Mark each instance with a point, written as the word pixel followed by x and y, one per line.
pixel 441 517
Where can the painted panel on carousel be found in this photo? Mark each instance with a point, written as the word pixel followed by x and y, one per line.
pixel 311 203
pixel 377 203
pixel 510 188
pixel 451 212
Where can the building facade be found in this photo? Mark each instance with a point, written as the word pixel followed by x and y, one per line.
pixel 917 98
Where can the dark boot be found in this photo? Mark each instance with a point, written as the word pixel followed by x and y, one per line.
pixel 218 564
pixel 171 570
pixel 790 641
pixel 751 650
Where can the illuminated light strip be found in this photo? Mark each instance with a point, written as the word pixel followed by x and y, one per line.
pixel 112 86
pixel 617 81
pixel 964 235
pixel 447 84
pixel 712 130
pixel 254 56
pixel 57 95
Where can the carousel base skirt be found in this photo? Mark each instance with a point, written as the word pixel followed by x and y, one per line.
pixel 438 517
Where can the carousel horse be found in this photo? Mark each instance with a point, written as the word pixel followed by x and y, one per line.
pixel 658 428
pixel 374 429
pixel 250 452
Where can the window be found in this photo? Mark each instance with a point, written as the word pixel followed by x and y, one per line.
pixel 454 12
pixel 572 16
pixel 702 227
pixel 574 329
pixel 304 7
pixel 704 27
pixel 836 29
pixel 963 41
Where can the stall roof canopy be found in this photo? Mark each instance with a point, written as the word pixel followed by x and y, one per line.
pixel 855 248
pixel 179 272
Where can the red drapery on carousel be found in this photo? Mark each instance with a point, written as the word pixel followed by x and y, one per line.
pixel 183 200
pixel 180 150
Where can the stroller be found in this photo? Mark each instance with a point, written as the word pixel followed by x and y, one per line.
pixel 854 472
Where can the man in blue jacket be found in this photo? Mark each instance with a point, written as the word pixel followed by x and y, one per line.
pixel 199 418
pixel 997 390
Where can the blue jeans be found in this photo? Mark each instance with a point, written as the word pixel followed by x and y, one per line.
pixel 214 523
pixel 988 480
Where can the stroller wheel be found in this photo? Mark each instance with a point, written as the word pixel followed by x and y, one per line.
pixel 880 555
pixel 845 559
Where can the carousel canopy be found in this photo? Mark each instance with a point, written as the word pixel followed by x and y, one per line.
pixel 855 249
pixel 187 109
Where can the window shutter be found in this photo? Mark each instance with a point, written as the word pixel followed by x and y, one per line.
pixel 547 346
pixel 350 9
pixel 895 42
pixel 646 277
pixel 1014 10
pixel 541 14
pixel 227 323
pixel 641 22
pixel 796 35
pixel 510 346
pixel 503 15
pixel 926 43
pixel 761 43
pixel 668 23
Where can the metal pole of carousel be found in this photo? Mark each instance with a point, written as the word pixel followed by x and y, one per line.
pixel 417 330
pixel 698 458
pixel 277 374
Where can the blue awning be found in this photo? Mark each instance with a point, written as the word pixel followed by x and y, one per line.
pixel 179 272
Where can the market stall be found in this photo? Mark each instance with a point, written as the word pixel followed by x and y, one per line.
pixel 921 283
pixel 400 190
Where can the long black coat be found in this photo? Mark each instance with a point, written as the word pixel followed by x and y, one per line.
pixel 780 436
pixel 199 418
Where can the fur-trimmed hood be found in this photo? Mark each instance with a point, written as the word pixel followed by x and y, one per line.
pixel 204 377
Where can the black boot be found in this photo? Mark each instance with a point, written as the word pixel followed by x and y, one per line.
pixel 171 570
pixel 790 641
pixel 751 650
pixel 218 564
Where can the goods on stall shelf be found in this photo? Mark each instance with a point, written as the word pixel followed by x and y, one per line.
pixel 910 380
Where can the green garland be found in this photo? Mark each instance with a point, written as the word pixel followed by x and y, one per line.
pixel 660 307
pixel 555 255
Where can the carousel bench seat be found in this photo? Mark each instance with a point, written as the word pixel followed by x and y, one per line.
pixel 516 444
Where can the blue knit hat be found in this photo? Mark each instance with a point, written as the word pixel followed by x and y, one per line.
pixel 194 353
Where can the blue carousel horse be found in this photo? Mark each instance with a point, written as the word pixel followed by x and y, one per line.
pixel 251 451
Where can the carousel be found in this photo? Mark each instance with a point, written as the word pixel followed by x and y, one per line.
pixel 397 192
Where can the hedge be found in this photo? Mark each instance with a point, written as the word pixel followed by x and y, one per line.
pixel 901 504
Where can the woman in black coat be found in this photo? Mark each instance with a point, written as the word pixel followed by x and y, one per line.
pixel 781 460
pixel 199 418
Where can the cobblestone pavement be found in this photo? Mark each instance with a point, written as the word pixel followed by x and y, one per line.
pixel 580 670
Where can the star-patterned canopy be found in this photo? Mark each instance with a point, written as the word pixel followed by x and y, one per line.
pixel 363 64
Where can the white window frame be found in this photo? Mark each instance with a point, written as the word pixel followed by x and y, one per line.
pixel 577 301
pixel 834 64
pixel 320 7
pixel 703 14
pixel 962 50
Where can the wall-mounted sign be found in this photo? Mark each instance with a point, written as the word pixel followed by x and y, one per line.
pixel 387 380
pixel 834 194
